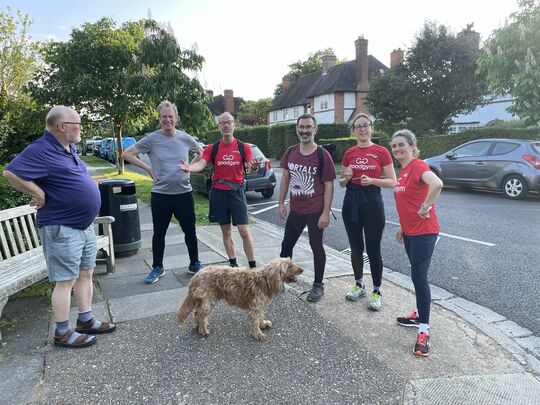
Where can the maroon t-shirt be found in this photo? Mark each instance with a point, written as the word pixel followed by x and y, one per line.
pixel 306 187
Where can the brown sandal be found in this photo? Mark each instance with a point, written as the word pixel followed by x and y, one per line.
pixel 82 341
pixel 87 327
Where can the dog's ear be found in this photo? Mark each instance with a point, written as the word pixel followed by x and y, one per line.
pixel 283 264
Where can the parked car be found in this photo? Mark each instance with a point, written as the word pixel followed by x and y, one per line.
pixel 88 147
pixel 509 165
pixel 104 148
pixel 262 180
pixel 113 146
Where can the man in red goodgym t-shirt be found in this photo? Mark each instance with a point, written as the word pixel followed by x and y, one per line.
pixel 227 199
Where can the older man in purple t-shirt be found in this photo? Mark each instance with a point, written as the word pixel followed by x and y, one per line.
pixel 67 201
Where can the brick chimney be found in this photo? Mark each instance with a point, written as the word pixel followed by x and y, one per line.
pixel 362 83
pixel 328 60
pixel 210 94
pixel 287 81
pixel 229 101
pixel 396 57
pixel 471 36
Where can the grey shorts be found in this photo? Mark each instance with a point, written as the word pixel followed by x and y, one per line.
pixel 68 250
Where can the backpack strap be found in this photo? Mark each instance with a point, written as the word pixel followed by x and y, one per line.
pixel 320 154
pixel 215 147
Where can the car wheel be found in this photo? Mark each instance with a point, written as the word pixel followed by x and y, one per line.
pixel 267 193
pixel 515 187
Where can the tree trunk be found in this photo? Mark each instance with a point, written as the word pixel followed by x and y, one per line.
pixel 118 153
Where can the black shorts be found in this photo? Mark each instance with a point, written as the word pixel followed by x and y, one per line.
pixel 225 204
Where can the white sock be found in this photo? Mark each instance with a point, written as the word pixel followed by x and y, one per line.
pixel 360 281
pixel 423 328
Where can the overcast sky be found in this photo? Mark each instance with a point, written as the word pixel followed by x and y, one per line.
pixel 248 44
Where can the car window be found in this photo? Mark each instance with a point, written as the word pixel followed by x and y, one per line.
pixel 501 148
pixel 256 152
pixel 473 149
pixel 536 147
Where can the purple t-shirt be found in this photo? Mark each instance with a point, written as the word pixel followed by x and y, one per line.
pixel 71 197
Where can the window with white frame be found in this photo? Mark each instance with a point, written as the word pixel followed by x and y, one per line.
pixel 323 102
pixel 285 114
pixel 295 112
pixel 274 116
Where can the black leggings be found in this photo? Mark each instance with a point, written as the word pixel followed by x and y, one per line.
pixel 419 250
pixel 293 229
pixel 163 208
pixel 370 223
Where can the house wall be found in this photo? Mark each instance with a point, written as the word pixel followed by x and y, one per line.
pixel 285 115
pixel 491 110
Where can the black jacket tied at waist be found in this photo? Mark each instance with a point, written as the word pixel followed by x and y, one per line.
pixel 356 195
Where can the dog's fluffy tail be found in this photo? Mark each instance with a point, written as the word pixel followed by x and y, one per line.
pixel 184 310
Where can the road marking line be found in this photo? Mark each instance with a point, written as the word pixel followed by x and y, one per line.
pixel 455 237
pixel 265 203
pixel 264 209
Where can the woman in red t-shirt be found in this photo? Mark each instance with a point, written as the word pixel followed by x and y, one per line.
pixel 363 208
pixel 415 192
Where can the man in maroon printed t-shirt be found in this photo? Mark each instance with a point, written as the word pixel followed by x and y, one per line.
pixel 311 194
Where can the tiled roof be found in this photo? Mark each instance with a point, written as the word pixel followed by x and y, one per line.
pixel 340 77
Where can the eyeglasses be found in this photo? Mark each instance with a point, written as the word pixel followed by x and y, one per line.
pixel 226 122
pixel 72 123
pixel 362 126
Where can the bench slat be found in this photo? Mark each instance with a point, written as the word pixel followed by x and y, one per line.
pixel 11 240
pixel 19 241
pixel 31 222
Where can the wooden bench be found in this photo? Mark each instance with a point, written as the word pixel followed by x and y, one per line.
pixel 21 256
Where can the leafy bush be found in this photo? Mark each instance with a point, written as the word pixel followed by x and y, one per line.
pixel 257 135
pixel 437 145
pixel 333 131
pixel 9 197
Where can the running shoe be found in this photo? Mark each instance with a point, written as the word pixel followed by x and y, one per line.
pixel 356 292
pixel 375 301
pixel 409 320
pixel 421 348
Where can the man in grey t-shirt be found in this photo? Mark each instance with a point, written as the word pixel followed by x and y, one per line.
pixel 171 190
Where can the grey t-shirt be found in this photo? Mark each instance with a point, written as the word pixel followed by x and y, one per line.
pixel 165 153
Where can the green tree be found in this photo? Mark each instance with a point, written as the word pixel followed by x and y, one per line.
pixel 511 58
pixel 436 81
pixel 119 74
pixel 254 112
pixel 312 64
pixel 18 63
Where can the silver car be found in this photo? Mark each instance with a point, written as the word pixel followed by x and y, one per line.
pixel 509 165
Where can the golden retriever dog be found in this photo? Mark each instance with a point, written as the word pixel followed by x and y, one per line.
pixel 249 289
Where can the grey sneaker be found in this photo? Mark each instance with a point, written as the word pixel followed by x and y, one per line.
pixel 375 301
pixel 356 292
pixel 316 293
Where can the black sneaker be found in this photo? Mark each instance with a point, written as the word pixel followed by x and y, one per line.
pixel 316 293
pixel 409 320
pixel 421 348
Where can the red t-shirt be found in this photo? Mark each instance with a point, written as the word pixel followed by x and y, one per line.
pixel 305 187
pixel 410 192
pixel 369 161
pixel 228 163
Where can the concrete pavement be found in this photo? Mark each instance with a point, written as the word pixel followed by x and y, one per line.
pixel 330 352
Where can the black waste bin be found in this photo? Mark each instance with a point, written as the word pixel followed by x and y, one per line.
pixel 331 148
pixel 119 199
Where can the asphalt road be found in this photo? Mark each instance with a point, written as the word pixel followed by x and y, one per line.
pixel 487 251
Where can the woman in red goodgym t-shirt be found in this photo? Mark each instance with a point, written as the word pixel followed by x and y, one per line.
pixel 415 193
